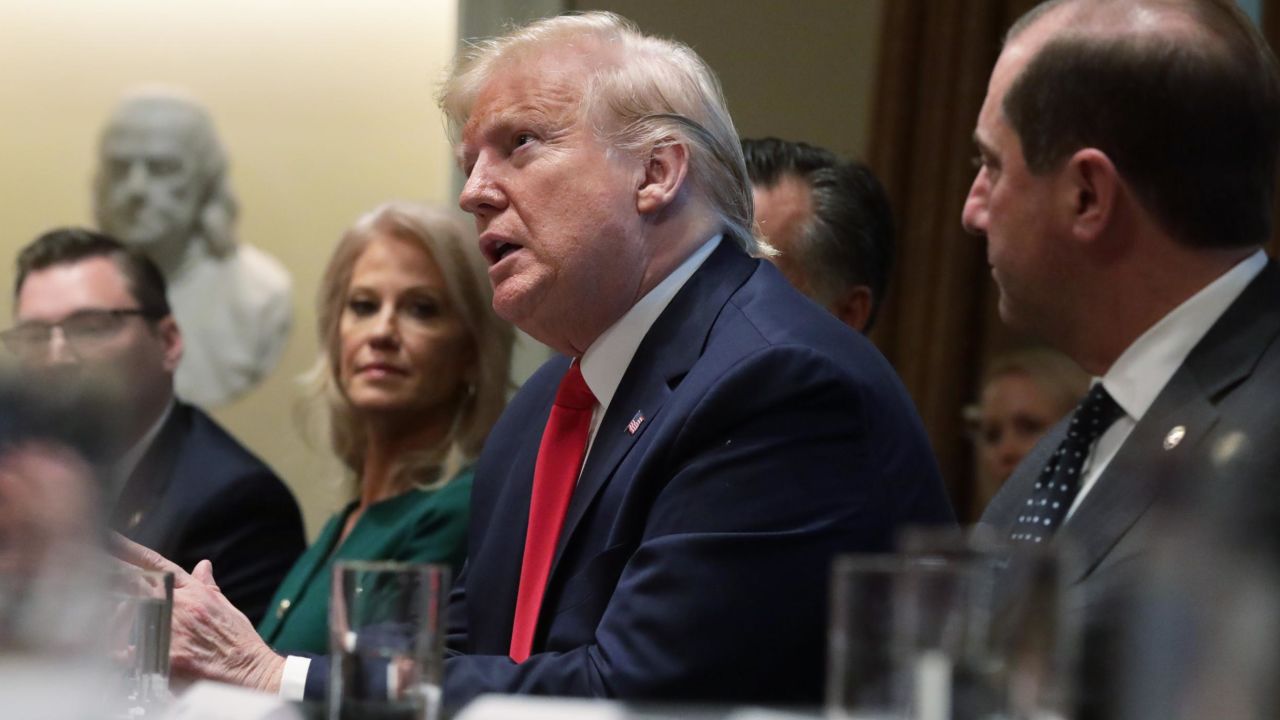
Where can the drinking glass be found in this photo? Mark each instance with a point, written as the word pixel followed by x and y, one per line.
pixel 386 640
pixel 139 638
pixel 862 678
pixel 944 628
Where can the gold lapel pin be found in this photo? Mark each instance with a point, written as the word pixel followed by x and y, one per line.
pixel 1174 437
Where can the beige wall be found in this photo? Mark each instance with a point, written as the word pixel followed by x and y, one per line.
pixel 797 69
pixel 326 108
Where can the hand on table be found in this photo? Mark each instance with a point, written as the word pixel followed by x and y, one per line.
pixel 211 639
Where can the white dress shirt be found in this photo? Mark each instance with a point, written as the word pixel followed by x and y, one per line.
pixel 603 365
pixel 128 462
pixel 607 359
pixel 1145 367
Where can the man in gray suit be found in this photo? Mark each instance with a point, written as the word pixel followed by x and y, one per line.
pixel 1128 157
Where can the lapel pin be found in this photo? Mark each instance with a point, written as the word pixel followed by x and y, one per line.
pixel 1174 437
pixel 135 519
pixel 635 423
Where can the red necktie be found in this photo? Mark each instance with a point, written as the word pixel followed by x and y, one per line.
pixel 564 443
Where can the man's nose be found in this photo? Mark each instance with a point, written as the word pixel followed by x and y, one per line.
pixel 974 217
pixel 481 196
pixel 59 351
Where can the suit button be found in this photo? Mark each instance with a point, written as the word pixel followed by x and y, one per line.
pixel 283 608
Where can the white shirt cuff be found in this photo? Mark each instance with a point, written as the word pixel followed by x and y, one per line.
pixel 293 679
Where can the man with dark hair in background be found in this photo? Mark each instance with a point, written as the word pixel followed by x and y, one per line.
pixel 90 310
pixel 1128 159
pixel 830 221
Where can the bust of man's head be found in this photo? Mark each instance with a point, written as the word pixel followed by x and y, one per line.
pixel 161 178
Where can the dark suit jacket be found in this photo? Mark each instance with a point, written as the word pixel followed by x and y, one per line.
pixel 695 554
pixel 197 493
pixel 1223 396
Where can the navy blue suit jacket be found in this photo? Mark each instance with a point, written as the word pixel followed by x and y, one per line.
pixel 694 559
pixel 198 493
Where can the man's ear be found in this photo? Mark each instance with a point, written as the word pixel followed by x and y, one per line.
pixel 1093 184
pixel 170 340
pixel 664 174
pixel 853 307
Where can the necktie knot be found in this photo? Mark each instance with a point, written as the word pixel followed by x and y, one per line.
pixel 574 393
pixel 1093 416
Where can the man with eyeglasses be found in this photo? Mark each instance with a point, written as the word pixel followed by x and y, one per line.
pixel 90 310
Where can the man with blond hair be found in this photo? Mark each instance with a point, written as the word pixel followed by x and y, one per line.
pixel 655 515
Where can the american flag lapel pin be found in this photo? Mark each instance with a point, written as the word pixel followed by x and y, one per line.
pixel 635 423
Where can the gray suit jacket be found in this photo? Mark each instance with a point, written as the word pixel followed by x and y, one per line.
pixel 1224 396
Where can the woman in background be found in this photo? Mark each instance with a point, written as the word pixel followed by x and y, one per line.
pixel 413 368
pixel 1023 394
pixel 413 371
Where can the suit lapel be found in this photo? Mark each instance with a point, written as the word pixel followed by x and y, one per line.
pixel 663 358
pixel 1138 472
pixel 1145 465
pixel 150 479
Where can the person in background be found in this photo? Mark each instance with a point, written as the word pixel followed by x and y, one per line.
pixel 413 371
pixel 1024 393
pixel 89 309
pixel 830 221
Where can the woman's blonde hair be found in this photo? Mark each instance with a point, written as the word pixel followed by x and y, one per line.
pixel 470 297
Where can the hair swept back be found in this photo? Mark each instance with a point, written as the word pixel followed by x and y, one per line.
pixel 641 93
pixel 469 296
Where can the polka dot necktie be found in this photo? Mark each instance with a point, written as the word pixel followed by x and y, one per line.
pixel 1059 483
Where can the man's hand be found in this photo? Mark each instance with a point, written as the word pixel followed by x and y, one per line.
pixel 211 639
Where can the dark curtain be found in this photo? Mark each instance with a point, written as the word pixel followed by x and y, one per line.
pixel 939 323
pixel 1271 30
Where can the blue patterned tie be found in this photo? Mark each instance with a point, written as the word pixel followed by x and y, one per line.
pixel 1059 482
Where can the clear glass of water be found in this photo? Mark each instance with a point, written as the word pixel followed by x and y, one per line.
pixel 864 681
pixel 139 639
pixel 386 624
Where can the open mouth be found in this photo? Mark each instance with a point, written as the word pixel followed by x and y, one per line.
pixel 496 249
pixel 503 249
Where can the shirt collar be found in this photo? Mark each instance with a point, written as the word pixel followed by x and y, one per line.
pixel 1142 370
pixel 606 360
pixel 128 462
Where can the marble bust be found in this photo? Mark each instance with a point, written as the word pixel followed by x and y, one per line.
pixel 161 186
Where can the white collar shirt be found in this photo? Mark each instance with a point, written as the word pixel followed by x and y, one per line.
pixel 607 359
pixel 1136 378
pixel 128 462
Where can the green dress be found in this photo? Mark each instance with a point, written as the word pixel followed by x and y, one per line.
pixel 417 526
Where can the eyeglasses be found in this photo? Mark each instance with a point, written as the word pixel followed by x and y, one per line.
pixel 81 330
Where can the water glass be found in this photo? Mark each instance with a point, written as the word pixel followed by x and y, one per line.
pixel 386 640
pixel 139 638
pixel 862 672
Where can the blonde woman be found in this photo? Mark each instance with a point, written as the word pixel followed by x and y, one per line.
pixel 413 369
